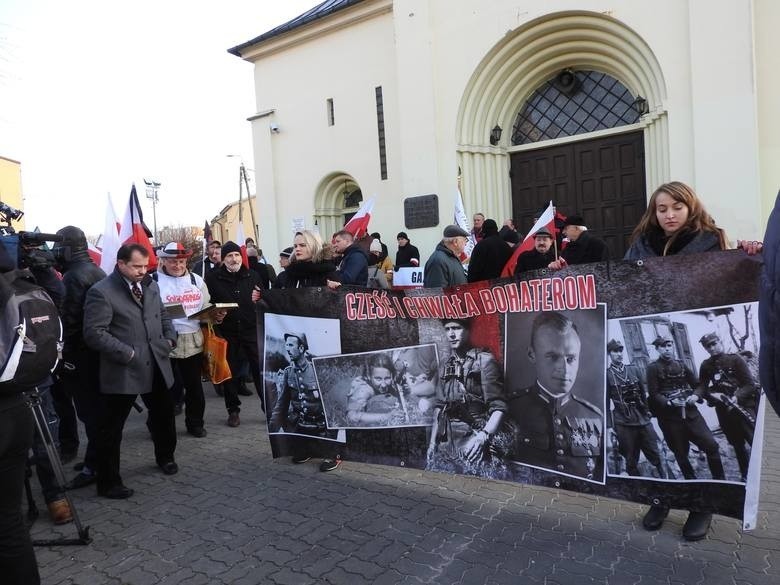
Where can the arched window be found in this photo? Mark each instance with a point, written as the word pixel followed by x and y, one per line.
pixel 575 102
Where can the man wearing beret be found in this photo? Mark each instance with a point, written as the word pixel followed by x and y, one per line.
pixel 540 256
pixel 727 385
pixel 443 268
pixel 630 417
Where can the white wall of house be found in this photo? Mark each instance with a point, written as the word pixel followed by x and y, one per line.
pixel 710 128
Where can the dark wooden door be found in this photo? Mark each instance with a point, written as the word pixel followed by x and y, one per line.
pixel 601 179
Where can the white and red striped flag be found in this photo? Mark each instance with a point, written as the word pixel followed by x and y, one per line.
pixel 133 230
pixel 109 243
pixel 546 220
pixel 242 243
pixel 358 225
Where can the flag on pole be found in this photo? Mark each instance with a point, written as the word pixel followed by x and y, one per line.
pixel 462 221
pixel 109 242
pixel 94 253
pixel 547 219
pixel 133 230
pixel 242 243
pixel 358 225
pixel 207 238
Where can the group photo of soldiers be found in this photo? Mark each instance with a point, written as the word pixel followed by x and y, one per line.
pixel 683 391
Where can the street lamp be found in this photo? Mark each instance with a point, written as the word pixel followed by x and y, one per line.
pixel 151 193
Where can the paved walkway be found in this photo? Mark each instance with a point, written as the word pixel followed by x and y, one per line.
pixel 234 516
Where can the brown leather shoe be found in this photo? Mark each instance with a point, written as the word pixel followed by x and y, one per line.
pixel 59 511
pixel 233 420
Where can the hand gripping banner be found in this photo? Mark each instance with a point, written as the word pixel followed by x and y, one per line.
pixel 632 380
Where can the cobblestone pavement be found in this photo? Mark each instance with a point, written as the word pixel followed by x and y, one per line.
pixel 233 515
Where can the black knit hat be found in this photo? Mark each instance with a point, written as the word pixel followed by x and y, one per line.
pixel 229 247
pixel 402 235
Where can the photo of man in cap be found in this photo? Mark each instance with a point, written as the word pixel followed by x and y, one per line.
pixel 540 257
pixel 556 429
pixel 726 384
pixel 630 418
pixel 443 268
pixel 673 395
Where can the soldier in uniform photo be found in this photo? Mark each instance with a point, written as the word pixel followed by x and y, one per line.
pixel 299 407
pixel 469 407
pixel 375 399
pixel 556 429
pixel 727 385
pixel 674 393
pixel 630 415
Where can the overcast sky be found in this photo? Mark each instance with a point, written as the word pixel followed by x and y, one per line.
pixel 96 95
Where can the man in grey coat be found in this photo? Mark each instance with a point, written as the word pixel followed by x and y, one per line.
pixel 126 322
pixel 443 268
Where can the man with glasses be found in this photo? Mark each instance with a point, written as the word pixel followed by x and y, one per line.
pixel 727 385
pixel 443 268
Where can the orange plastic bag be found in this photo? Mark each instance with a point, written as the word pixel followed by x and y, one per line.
pixel 215 364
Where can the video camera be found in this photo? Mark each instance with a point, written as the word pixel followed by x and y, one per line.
pixel 22 249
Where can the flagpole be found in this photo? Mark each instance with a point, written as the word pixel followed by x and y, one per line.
pixel 555 236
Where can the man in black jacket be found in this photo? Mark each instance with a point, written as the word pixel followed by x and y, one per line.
pixel 582 248
pixel 233 282
pixel 79 380
pixel 489 255
pixel 408 256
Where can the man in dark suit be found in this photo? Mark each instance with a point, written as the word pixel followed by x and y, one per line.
pixel 126 322
pixel 540 257
pixel 583 247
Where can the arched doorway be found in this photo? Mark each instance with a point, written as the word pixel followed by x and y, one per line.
pixel 337 200
pixel 506 80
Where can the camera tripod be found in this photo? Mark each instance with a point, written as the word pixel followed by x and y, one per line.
pixel 33 402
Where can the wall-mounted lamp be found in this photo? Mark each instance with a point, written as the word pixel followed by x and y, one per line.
pixel 640 105
pixel 495 135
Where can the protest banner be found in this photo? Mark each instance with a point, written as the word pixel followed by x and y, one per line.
pixel 632 380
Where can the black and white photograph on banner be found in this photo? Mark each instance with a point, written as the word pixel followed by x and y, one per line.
pixel 555 398
pixel 293 399
pixel 390 388
pixel 689 380
pixel 469 434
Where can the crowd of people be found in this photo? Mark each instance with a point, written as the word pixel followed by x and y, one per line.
pixel 121 322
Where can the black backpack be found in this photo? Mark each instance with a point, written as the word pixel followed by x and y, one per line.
pixel 30 333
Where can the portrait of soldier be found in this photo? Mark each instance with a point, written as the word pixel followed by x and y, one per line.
pixel 726 384
pixel 299 407
pixel 376 399
pixel 555 428
pixel 673 396
pixel 469 407
pixel 630 418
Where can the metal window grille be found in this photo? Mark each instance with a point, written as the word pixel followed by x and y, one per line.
pixel 600 102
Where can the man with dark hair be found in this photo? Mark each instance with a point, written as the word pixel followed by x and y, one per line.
pixel 126 322
pixel 727 385
pixel 538 258
pixel 354 262
pixel 408 256
pixel 489 255
pixel 79 379
pixel 557 430
pixel 630 418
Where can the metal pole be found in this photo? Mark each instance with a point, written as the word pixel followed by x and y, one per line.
pixel 249 200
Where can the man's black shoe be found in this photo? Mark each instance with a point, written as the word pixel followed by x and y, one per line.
pixel 697 525
pixel 169 467
pixel 329 464
pixel 243 390
pixel 298 459
pixel 655 516
pixel 117 492
pixel 80 481
pixel 198 432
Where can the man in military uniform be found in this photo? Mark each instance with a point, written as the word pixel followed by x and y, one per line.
pixel 630 416
pixel 469 407
pixel 299 408
pixel 674 393
pixel 726 384
pixel 556 429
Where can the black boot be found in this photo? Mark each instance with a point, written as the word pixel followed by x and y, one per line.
pixel 697 525
pixel 655 516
